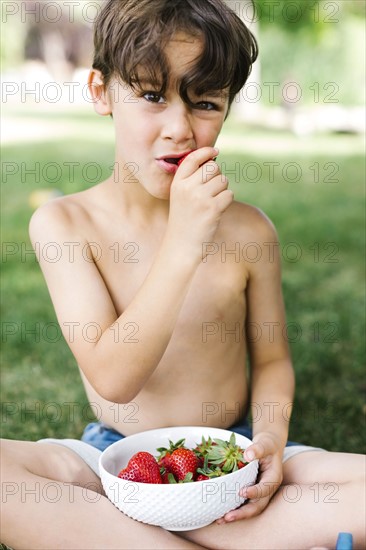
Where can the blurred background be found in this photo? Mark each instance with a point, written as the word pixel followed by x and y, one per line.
pixel 293 146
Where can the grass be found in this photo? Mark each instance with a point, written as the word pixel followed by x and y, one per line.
pixel 319 217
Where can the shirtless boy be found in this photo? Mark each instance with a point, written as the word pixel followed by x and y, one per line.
pixel 167 71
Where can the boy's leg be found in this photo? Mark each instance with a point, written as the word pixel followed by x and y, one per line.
pixel 322 495
pixel 52 500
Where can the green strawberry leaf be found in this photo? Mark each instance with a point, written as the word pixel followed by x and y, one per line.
pixel 187 478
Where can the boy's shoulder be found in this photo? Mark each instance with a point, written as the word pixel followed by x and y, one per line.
pixel 249 223
pixel 62 216
pixel 77 213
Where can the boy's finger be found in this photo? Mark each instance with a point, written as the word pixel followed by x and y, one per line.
pixel 195 159
pixel 216 185
pixel 247 511
pixel 254 451
pixel 224 199
pixel 209 171
pixel 261 490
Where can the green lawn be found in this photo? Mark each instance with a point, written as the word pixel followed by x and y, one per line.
pixel 316 203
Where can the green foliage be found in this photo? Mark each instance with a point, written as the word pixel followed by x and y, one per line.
pixel 12 51
pixel 291 16
pixel 314 16
pixel 319 45
pixel 328 67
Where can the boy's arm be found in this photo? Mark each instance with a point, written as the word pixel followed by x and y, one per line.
pixel 272 376
pixel 118 353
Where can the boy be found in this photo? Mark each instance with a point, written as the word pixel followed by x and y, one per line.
pixel 168 70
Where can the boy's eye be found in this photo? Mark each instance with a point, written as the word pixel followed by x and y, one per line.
pixel 206 106
pixel 153 97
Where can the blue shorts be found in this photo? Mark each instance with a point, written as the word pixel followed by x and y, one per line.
pixel 101 436
pixel 97 437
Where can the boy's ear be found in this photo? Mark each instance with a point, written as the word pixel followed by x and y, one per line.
pixel 97 90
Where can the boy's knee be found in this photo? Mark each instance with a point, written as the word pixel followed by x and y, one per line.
pixel 6 455
pixel 14 459
pixel 20 459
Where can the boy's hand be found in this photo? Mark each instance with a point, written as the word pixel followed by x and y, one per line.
pixel 199 195
pixel 268 451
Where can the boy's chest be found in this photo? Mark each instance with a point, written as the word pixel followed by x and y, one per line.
pixel 216 294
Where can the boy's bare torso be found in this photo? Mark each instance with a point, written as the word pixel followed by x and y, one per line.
pixel 201 378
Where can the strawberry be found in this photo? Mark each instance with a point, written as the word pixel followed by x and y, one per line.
pixel 240 463
pixel 226 455
pixel 167 477
pixel 177 463
pixel 165 453
pixel 143 468
pixel 207 472
pixel 163 462
pixel 202 448
pixel 183 464
pixel 202 477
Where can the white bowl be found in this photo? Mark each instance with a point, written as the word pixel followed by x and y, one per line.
pixel 179 507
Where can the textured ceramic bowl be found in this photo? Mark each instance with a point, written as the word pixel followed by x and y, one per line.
pixel 179 507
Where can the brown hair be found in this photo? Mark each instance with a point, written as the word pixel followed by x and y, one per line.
pixel 131 34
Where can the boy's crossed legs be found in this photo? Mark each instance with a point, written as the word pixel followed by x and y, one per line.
pixel 52 500
pixel 322 494
pixel 50 494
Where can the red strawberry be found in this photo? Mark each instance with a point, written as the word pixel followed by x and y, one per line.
pixel 164 461
pixel 242 463
pixel 202 450
pixel 204 447
pixel 208 471
pixel 167 477
pixel 142 467
pixel 183 462
pixel 165 453
pixel 202 477
pixel 164 476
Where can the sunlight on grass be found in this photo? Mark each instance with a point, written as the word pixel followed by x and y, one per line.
pixel 237 137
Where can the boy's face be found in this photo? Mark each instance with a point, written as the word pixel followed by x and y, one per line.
pixel 150 127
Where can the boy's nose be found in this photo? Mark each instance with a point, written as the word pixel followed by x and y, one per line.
pixel 177 124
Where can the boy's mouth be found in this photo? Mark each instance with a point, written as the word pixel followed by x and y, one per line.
pixel 177 160
pixel 171 164
pixel 172 160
